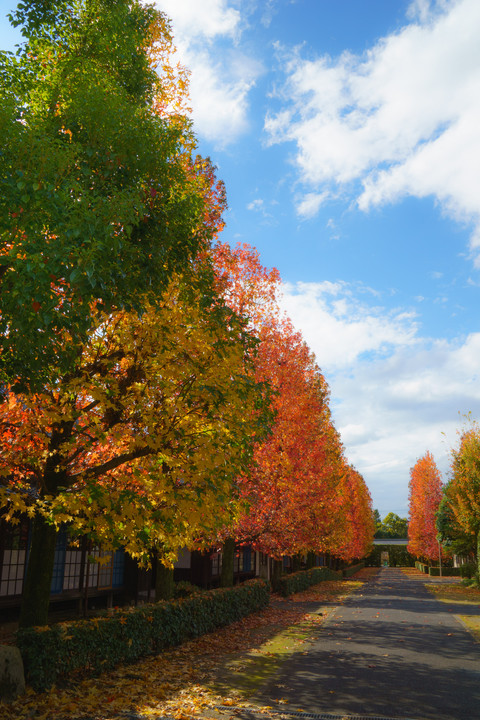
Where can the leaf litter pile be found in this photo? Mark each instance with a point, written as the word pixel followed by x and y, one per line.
pixel 180 683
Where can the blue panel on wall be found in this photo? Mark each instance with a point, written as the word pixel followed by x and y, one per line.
pixel 59 562
pixel 247 560
pixel 118 568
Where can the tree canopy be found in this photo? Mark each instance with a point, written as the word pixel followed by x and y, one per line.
pixel 300 494
pixel 392 526
pixel 152 394
pixel 100 198
pixel 462 493
pixel 424 500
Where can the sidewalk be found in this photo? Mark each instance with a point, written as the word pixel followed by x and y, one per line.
pixel 391 651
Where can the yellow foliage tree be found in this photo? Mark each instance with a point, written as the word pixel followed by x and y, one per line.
pixel 141 443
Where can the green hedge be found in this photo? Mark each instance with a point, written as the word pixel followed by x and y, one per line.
pixel 435 571
pixel 468 570
pixel 296 582
pixel 52 653
pixel 446 572
pixel 349 571
pixel 398 556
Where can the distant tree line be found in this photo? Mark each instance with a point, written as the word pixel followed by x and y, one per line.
pixel 392 527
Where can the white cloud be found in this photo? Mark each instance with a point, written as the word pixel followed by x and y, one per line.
pixel 340 326
pixel 221 75
pixel 308 205
pixel 256 204
pixel 208 18
pixel 394 393
pixel 403 119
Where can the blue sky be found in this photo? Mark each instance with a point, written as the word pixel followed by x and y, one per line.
pixel 348 136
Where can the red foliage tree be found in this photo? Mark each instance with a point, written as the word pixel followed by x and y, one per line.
pixel 298 491
pixel 425 496
pixel 360 523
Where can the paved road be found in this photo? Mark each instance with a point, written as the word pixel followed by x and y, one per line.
pixel 391 651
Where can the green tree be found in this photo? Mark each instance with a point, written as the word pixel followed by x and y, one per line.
pixel 393 526
pixel 453 538
pixel 99 197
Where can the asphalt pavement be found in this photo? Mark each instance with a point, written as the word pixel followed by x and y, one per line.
pixel 392 650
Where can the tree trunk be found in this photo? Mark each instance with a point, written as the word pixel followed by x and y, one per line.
pixel 277 572
pixel 38 578
pixel 228 557
pixel 296 563
pixel 311 560
pixel 163 582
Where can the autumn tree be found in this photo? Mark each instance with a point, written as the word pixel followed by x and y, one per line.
pixel 99 196
pixel 360 525
pixel 141 443
pixel 424 499
pixel 463 491
pixel 453 537
pixel 295 491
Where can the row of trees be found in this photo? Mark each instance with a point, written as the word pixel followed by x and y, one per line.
pixel 447 514
pixel 153 395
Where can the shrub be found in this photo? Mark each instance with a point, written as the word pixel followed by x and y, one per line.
pixel 468 570
pixel 296 582
pixel 349 571
pixel 92 646
pixel 446 571
pixel 184 589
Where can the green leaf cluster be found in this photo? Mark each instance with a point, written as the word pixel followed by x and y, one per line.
pixel 99 198
pixel 393 526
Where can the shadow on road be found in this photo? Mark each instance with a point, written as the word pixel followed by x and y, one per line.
pixel 392 650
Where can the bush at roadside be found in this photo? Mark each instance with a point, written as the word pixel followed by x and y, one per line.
pixel 296 582
pixel 51 654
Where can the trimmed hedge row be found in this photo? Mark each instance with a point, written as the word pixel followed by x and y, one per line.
pixel 446 572
pixel 421 566
pixel 92 646
pixel 435 571
pixel 296 582
pixel 349 571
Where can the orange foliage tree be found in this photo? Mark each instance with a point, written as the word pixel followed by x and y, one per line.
pixel 424 500
pixel 298 490
pixel 360 526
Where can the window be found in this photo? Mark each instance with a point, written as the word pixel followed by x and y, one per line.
pixel 238 562
pixel 216 560
pixel 118 568
pixel 105 571
pixel 13 558
pixel 74 558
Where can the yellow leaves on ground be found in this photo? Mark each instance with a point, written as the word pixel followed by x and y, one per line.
pixel 180 683
pixel 454 592
pixel 460 598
